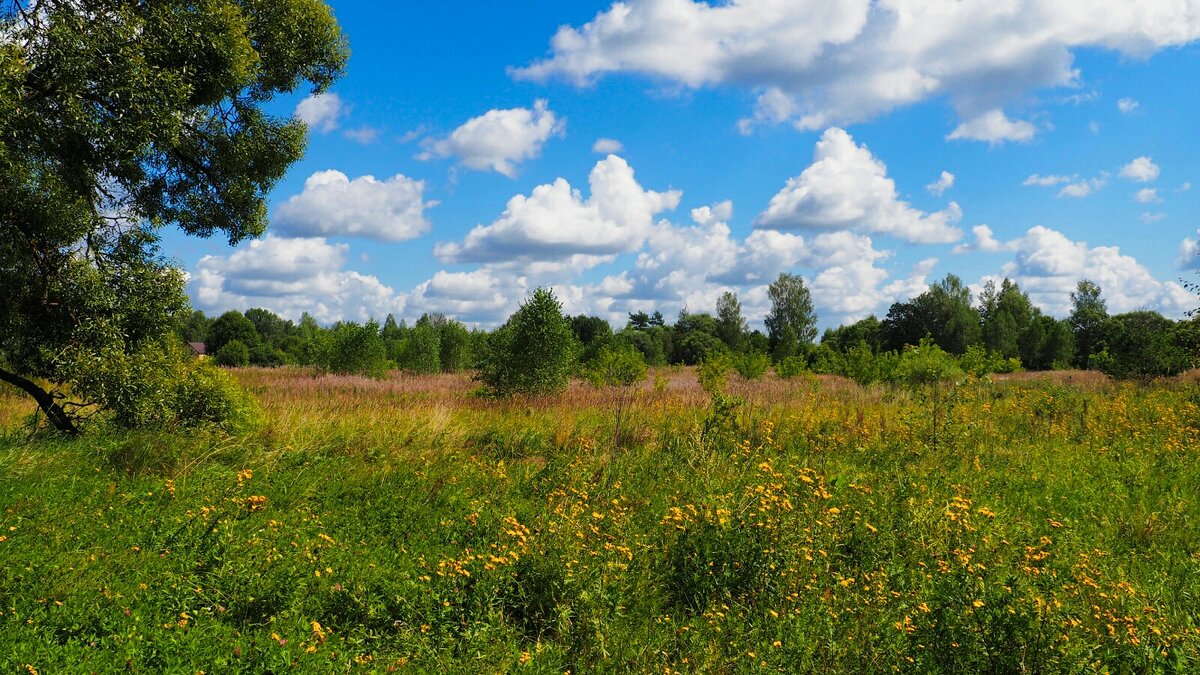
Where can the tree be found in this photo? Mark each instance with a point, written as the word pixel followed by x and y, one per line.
pixel 1005 314
pixel 391 330
pixel 455 342
pixel 234 353
pixel 533 352
pixel 422 350
pixel 791 308
pixel 943 313
pixel 230 326
pixel 119 118
pixel 731 325
pixel 1089 313
pixel 351 349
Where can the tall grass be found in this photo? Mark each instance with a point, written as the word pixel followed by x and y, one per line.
pixel 407 524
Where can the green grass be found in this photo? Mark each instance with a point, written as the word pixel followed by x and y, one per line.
pixel 815 528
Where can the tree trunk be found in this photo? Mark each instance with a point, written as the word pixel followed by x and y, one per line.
pixel 54 412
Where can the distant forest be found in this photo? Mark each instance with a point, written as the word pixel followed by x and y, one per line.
pixel 999 331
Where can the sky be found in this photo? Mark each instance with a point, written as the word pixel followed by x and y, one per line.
pixel 652 154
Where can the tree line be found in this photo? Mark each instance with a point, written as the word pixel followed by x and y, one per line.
pixel 1000 331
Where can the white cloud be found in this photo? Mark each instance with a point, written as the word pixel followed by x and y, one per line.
pixel 818 63
pixel 985 241
pixel 1147 196
pixel 1140 170
pixel 554 224
pixel 993 127
pixel 498 140
pixel 1048 265
pixel 607 146
pixel 847 188
pixel 1185 187
pixel 331 204
pixel 1127 105
pixel 1082 188
pixel 943 183
pixel 1189 253
pixel 364 135
pixel 321 112
pixel 483 296
pixel 290 277
pixel 1047 181
pixel 1151 218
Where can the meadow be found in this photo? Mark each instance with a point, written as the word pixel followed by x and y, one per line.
pixel 1021 524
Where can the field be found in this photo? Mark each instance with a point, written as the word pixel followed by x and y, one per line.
pixel 406 525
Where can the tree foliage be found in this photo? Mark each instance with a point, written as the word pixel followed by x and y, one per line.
pixel 533 353
pixel 791 320
pixel 119 118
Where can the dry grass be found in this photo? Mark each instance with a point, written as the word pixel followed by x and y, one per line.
pixel 1089 380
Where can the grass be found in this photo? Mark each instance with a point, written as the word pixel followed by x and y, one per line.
pixel 406 525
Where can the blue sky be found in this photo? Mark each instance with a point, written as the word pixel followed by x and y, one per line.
pixel 751 138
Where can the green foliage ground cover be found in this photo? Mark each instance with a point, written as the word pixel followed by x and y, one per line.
pixel 1054 529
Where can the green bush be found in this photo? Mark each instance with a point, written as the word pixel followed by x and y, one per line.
pixel 234 353
pixel 421 350
pixel 791 366
pixel 619 365
pixel 161 386
pixel 751 365
pixel 713 372
pixel 206 396
pixel 532 353
pixel 351 349
pixel 697 346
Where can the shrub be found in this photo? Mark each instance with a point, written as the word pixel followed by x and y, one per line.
pixel 532 353
pixel 713 372
pixel 160 386
pixel 421 351
pixel 206 396
pixel 698 346
pixel 351 349
pixel 791 366
pixel 455 341
pixel 619 365
pixel 751 365
pixel 235 353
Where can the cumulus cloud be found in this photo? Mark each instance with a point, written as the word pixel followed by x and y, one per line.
pixel 1127 105
pixel 1189 253
pixel 331 205
pixel 479 296
pixel 1147 196
pixel 1048 265
pixel 1082 188
pixel 817 63
pixel 1140 170
pixel 993 127
pixel 943 183
pixel 498 140
pixel 1047 181
pixel 607 146
pixel 290 277
pixel 985 241
pixel 364 135
pixel 556 225
pixel 847 188
pixel 1151 218
pixel 321 112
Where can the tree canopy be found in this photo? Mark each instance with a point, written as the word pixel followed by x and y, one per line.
pixel 119 118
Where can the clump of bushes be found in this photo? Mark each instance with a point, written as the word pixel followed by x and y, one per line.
pixel 533 353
